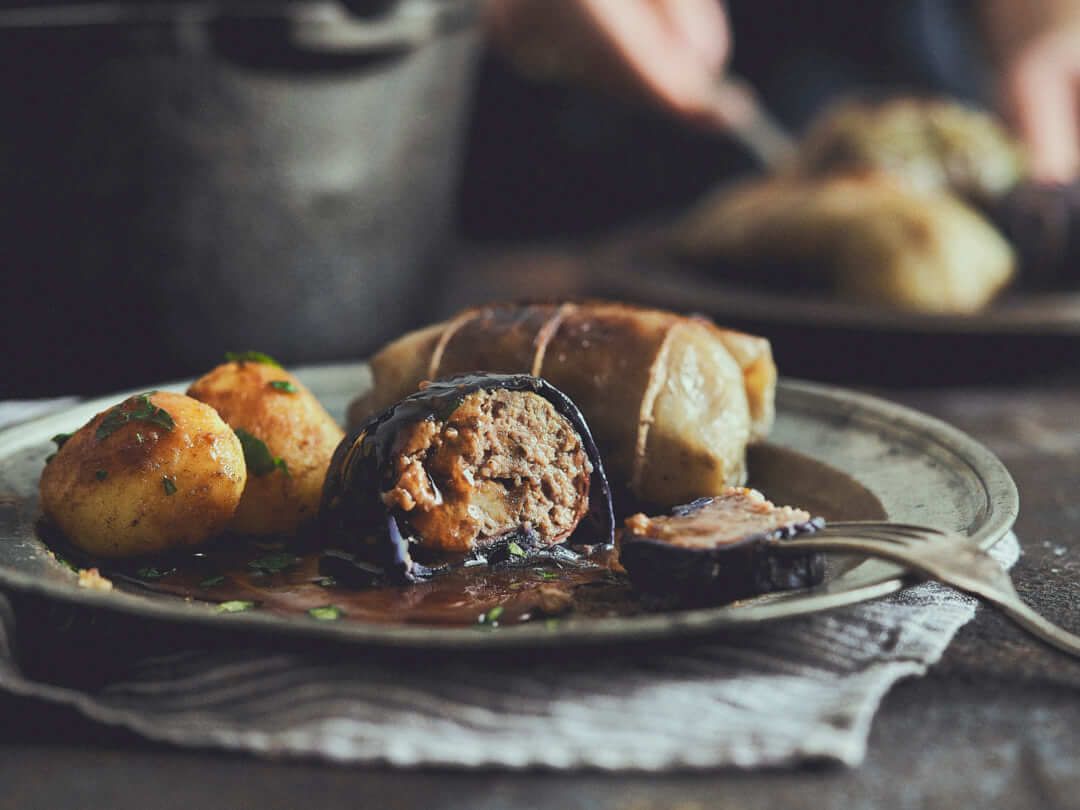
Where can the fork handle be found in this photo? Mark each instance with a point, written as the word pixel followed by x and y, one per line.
pixel 1012 606
pixel 1004 598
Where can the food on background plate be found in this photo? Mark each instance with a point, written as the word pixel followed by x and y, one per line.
pixel 155 473
pixel 884 203
pixel 929 144
pixel 868 237
pixel 935 145
pixel 467 465
pixel 672 401
pixel 287 436
pixel 717 550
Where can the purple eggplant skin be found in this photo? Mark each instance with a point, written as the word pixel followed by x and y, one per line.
pixel 352 513
pixel 700 577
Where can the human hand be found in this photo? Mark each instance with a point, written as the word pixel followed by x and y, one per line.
pixel 1037 46
pixel 667 52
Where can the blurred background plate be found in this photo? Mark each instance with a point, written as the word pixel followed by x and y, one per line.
pixel 824 338
pixel 814 336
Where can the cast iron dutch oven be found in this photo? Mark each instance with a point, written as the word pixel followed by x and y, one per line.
pixel 178 179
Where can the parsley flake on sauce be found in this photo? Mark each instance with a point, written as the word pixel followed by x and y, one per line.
pixel 260 461
pixel 492 616
pixel 168 485
pixel 326 613
pixel 138 408
pixel 283 385
pixel 235 606
pixel 211 582
pixel 274 563
pixel 101 475
pixel 251 357
pixel 516 550
pixel 153 573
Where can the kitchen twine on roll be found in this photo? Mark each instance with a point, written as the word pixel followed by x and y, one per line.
pixel 784 693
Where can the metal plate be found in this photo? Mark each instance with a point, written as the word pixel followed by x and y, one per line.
pixel 1017 313
pixel 881 458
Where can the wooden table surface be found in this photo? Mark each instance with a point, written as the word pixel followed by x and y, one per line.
pixel 995 723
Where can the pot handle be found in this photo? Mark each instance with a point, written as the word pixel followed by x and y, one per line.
pixel 321 26
pixel 329 28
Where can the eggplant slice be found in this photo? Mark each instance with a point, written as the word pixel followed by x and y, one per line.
pixel 717 550
pixel 463 467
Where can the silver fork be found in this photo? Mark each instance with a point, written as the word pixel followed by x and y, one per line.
pixel 947 557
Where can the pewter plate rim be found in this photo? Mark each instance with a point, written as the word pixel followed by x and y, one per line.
pixel 999 506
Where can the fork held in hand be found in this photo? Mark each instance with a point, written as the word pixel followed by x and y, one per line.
pixel 948 557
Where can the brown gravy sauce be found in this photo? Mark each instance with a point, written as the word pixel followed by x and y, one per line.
pixel 222 571
pixel 461 596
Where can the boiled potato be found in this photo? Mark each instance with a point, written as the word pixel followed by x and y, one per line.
pixel 288 441
pixel 157 472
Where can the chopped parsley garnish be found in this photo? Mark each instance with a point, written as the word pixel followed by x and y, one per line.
pixel 251 357
pixel 326 582
pixel 551 624
pixel 283 385
pixel 211 582
pixel 516 550
pixel 59 438
pixel 101 475
pixel 68 564
pixel 134 409
pixel 235 606
pixel 547 575
pixel 260 461
pixel 326 613
pixel 168 485
pixel 492 616
pixel 274 563
pixel 153 573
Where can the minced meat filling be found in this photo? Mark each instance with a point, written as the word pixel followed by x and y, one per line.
pixel 734 515
pixel 502 460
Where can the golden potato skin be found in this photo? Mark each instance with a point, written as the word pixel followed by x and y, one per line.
pixel 294 426
pixel 109 495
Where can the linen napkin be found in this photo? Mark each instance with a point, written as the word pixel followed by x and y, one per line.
pixel 787 692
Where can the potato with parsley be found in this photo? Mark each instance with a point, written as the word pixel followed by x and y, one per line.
pixel 157 472
pixel 287 435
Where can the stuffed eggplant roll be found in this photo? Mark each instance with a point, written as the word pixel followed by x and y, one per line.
pixel 673 400
pixel 717 550
pixel 462 465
